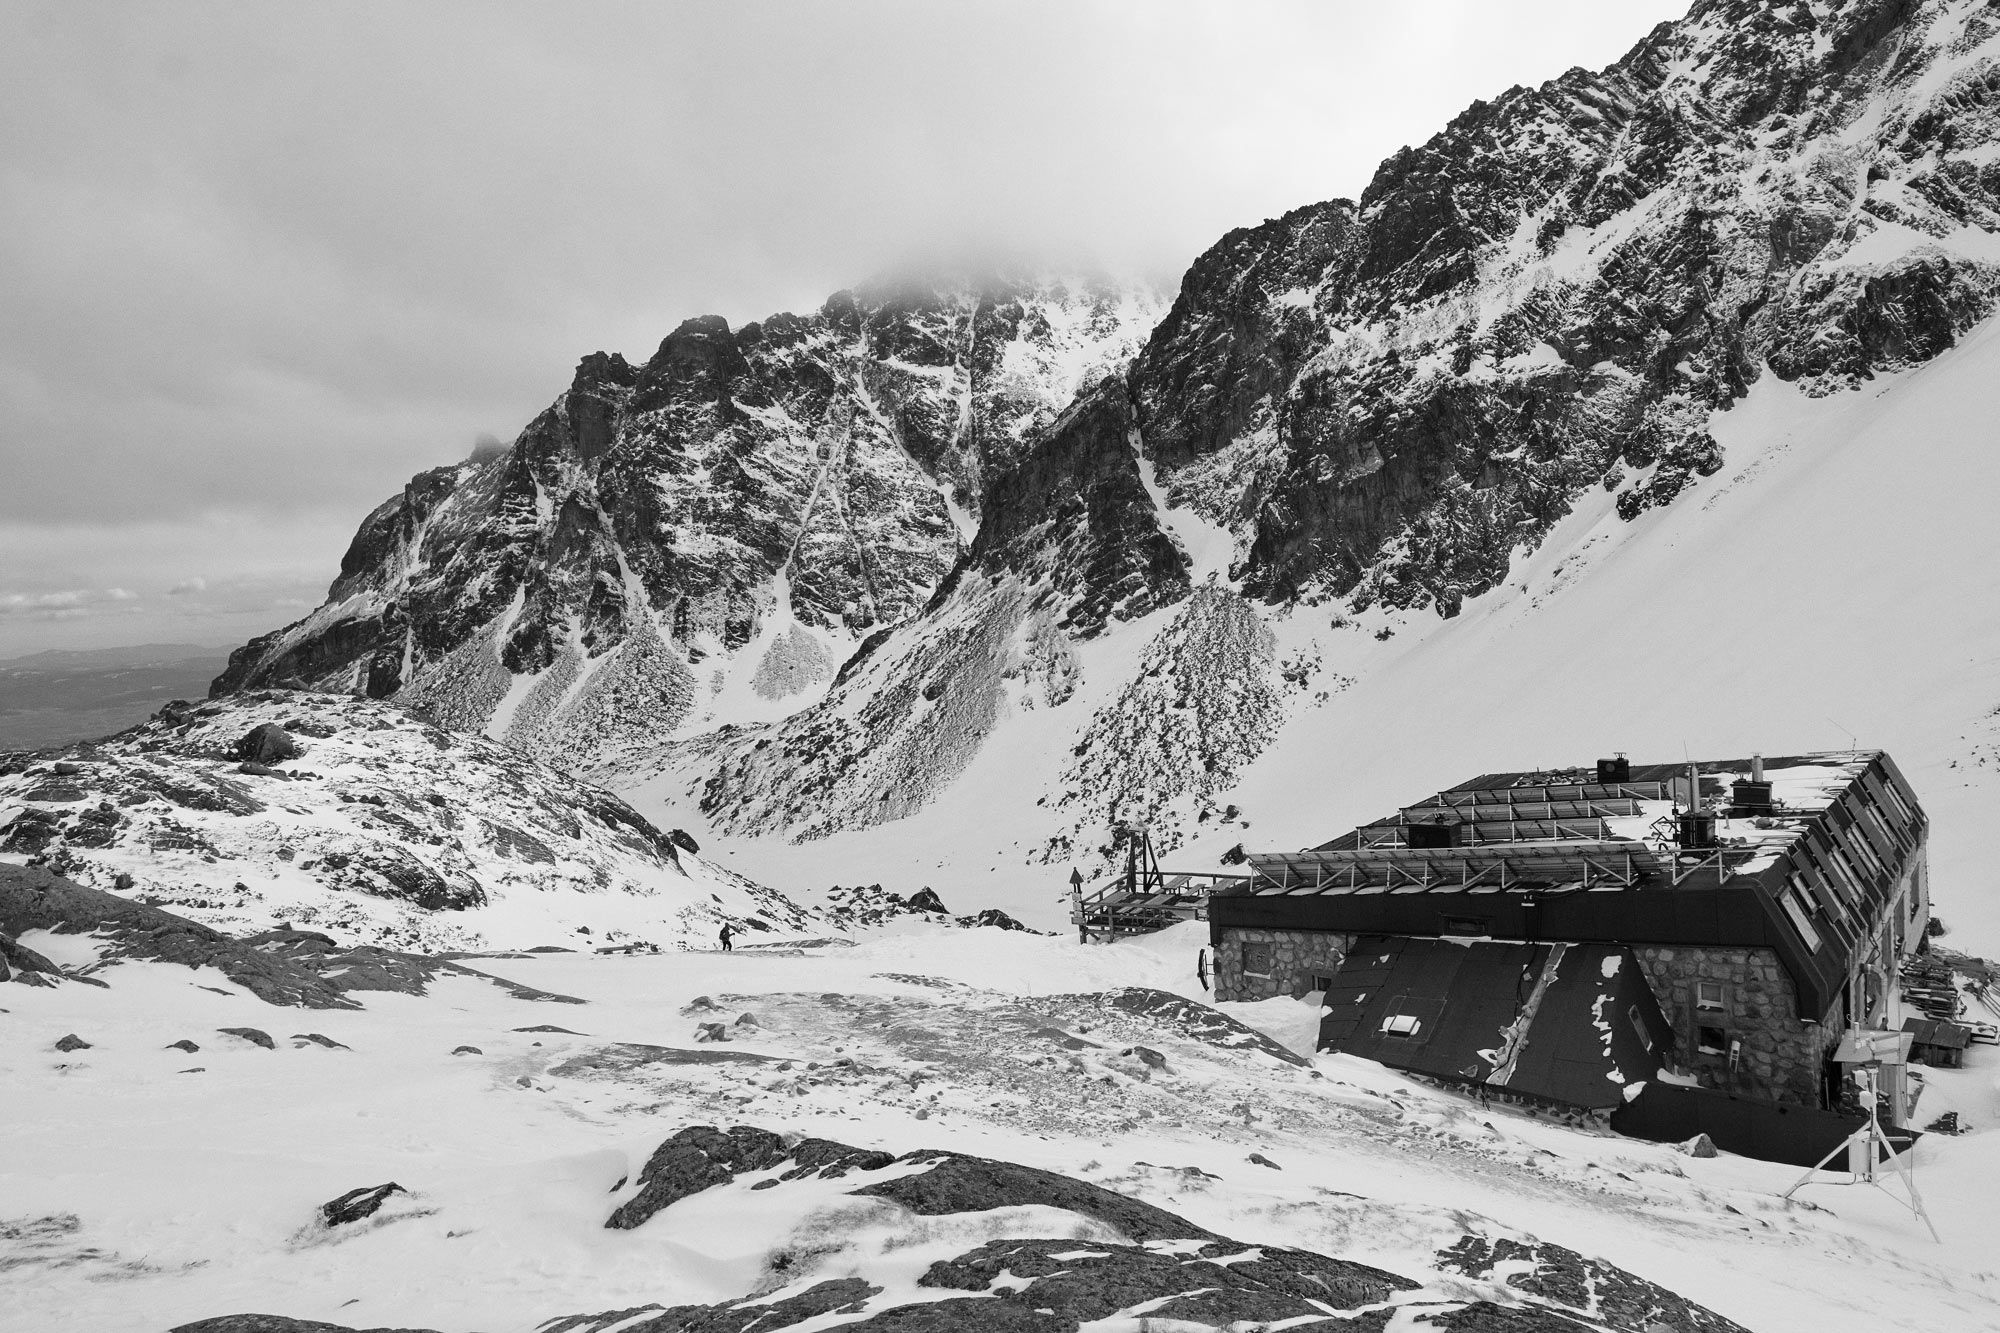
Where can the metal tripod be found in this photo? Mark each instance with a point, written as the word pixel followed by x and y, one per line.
pixel 1865 1149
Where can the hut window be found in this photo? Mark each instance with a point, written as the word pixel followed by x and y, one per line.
pixel 1401 1025
pixel 1257 959
pixel 1321 983
pixel 1639 1026
pixel 1709 996
pixel 1795 910
pixel 1711 1041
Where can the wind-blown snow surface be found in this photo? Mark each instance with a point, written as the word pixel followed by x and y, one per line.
pixel 1834 585
pixel 141 1187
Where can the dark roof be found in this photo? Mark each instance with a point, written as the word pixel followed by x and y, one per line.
pixel 1573 1024
pixel 1536 856
pixel 1938 1032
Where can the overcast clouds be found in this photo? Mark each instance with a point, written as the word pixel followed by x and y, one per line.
pixel 260 263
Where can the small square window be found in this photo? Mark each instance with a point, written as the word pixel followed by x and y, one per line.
pixel 1401 1025
pixel 1711 1041
pixel 1709 996
pixel 1322 983
pixel 1257 959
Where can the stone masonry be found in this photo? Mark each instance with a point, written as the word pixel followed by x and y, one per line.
pixel 1780 1057
pixel 1296 956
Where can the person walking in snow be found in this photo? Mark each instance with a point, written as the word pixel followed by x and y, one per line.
pixel 726 933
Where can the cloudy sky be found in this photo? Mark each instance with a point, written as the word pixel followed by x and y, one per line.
pixel 261 262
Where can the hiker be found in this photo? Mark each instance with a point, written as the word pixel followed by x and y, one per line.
pixel 1201 967
pixel 726 933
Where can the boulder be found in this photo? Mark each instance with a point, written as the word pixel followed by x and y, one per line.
pixel 1699 1146
pixel 711 1032
pixel 926 900
pixel 20 958
pixel 997 919
pixel 255 1036
pixel 466 1050
pixel 267 743
pixel 72 1042
pixel 183 1045
pixel 320 1039
pixel 357 1204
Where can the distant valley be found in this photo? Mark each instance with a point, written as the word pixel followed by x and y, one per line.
pixel 54 697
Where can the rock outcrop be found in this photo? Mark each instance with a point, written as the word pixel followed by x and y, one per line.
pixel 1383 397
pixel 1069 1254
pixel 389 831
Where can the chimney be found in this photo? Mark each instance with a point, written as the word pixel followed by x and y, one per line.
pixel 1756 768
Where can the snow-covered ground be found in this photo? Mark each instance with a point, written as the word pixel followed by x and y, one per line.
pixel 145 1186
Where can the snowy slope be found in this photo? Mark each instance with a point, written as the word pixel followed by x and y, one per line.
pixel 385 830
pixel 1832 587
pixel 144 1186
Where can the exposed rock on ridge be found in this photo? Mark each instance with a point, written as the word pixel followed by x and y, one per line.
pixel 798 475
pixel 1384 397
pixel 1063 1254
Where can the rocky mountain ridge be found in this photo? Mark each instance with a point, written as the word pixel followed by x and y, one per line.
pixel 709 532
pixel 1378 402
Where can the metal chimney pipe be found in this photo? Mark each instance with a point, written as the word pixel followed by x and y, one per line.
pixel 1756 768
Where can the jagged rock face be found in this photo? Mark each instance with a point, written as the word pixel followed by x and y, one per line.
pixel 1072 515
pixel 817 475
pixel 1384 397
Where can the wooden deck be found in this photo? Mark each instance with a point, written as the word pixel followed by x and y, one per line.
pixel 1120 907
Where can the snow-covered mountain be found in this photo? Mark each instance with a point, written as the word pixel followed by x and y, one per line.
pixel 1363 415
pixel 931 584
pixel 703 538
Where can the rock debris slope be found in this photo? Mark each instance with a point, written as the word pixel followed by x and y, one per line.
pixel 379 828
